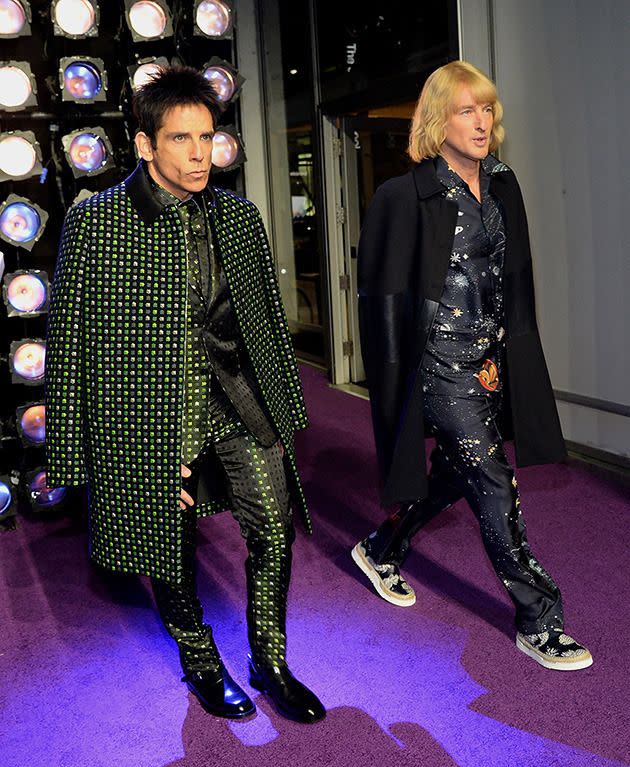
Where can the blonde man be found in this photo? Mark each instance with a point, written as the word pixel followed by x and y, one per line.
pixel 449 339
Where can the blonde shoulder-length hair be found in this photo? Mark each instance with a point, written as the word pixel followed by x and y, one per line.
pixel 436 103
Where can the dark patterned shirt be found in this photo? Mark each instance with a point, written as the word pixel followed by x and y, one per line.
pixel 462 355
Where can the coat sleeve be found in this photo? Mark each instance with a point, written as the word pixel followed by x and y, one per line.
pixel 284 344
pixel 65 358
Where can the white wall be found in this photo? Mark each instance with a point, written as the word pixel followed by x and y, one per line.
pixel 563 74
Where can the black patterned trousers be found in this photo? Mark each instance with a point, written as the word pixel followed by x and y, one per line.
pixel 469 461
pixel 261 505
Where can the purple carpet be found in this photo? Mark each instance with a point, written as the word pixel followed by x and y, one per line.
pixel 89 679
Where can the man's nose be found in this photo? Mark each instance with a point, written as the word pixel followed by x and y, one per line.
pixel 196 152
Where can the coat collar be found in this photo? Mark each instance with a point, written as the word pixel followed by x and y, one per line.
pixel 143 198
pixel 428 184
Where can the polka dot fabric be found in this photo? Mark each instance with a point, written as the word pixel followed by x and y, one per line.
pixel 116 360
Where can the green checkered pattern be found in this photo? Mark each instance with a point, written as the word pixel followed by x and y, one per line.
pixel 115 368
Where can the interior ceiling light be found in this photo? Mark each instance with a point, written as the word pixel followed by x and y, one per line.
pixel 141 73
pixel 15 16
pixel 31 422
pixel 148 19
pixel 22 222
pixel 20 155
pixel 40 495
pixel 227 149
pixel 88 151
pixel 82 79
pixel 226 80
pixel 26 293
pixel 213 18
pixel 27 361
pixel 17 86
pixel 75 18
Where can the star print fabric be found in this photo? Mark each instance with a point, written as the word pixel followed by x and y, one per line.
pixel 468 325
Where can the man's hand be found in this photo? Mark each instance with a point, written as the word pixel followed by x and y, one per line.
pixel 184 498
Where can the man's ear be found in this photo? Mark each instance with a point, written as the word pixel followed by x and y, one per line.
pixel 144 146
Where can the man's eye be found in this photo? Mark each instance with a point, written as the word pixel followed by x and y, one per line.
pixel 180 137
pixel 207 136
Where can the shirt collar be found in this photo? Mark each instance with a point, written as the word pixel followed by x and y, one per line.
pixel 450 180
pixel 164 198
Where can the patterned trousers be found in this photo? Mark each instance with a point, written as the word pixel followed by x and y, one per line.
pixel 261 505
pixel 469 462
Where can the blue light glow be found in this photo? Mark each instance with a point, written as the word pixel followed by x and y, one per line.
pixel 88 152
pixel 20 222
pixel 43 495
pixel 82 80
pixel 5 497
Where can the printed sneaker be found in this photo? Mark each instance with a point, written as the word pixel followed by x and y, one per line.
pixel 554 649
pixel 386 578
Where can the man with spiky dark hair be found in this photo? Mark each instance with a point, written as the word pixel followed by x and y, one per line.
pixel 173 390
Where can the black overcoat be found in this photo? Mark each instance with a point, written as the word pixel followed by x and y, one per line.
pixel 404 251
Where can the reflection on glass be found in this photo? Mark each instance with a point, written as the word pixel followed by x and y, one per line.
pixel 144 73
pixel 17 156
pixel 29 361
pixel 75 17
pixel 6 498
pixel 147 19
pixel 41 494
pixel 88 152
pixel 223 81
pixel 82 80
pixel 15 86
pixel 33 424
pixel 12 17
pixel 213 17
pixel 20 222
pixel 26 293
pixel 224 149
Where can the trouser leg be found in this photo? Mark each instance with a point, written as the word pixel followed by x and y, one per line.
pixel 260 503
pixel 391 542
pixel 467 433
pixel 180 609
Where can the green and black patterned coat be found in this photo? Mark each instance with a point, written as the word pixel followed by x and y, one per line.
pixel 115 364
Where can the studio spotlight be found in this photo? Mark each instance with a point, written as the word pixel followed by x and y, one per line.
pixel 31 424
pixel 27 361
pixel 8 504
pixel 82 79
pixel 17 86
pixel 15 17
pixel 148 19
pixel 25 293
pixel 227 149
pixel 226 80
pixel 41 496
pixel 88 151
pixel 20 155
pixel 22 222
pixel 75 18
pixel 144 70
pixel 213 18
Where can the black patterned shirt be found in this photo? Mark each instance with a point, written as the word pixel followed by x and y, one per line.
pixel 462 355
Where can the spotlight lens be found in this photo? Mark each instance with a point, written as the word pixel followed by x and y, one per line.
pixel 12 17
pixel 33 423
pixel 224 149
pixel 75 17
pixel 88 152
pixel 43 495
pixel 15 87
pixel 82 80
pixel 144 74
pixel 213 18
pixel 147 18
pixel 17 156
pixel 29 361
pixel 26 293
pixel 5 497
pixel 223 82
pixel 19 222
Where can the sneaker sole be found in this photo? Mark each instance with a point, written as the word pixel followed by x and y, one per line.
pixel 364 566
pixel 559 664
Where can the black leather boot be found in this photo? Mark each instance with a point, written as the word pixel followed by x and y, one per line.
pixel 291 698
pixel 219 694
